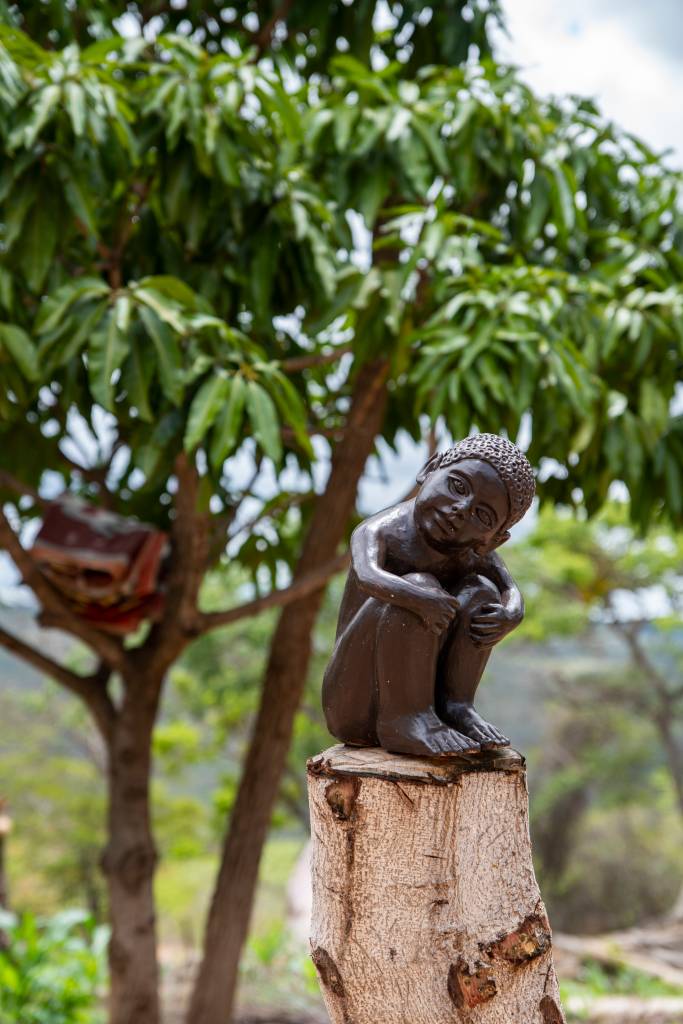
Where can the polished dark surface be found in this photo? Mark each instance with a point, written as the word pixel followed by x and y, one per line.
pixel 426 600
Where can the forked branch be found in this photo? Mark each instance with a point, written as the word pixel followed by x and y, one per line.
pixel 108 648
pixel 205 621
pixel 91 689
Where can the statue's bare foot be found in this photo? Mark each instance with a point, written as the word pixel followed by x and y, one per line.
pixel 467 721
pixel 425 735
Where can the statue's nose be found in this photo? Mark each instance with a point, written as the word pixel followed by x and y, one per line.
pixel 461 507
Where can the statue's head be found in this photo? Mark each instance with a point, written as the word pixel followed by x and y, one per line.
pixel 471 494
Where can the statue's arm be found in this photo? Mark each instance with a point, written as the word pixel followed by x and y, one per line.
pixel 511 598
pixel 368 555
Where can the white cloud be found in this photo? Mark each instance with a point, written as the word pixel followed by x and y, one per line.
pixel 620 53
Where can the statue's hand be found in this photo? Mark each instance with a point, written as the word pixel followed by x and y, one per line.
pixel 492 622
pixel 436 608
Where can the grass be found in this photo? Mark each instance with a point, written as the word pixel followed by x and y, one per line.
pixel 183 890
pixel 276 970
pixel 595 980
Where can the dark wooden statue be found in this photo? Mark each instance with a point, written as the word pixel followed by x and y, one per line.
pixel 426 600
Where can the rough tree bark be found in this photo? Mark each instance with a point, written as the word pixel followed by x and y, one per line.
pixel 128 862
pixel 425 903
pixel 283 684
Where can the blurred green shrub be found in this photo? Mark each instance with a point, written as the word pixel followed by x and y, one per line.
pixel 51 970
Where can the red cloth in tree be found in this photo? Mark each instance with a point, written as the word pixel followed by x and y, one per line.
pixel 106 566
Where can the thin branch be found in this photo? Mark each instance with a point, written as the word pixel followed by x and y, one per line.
pixel 107 647
pixel 205 621
pixel 641 659
pixel 14 484
pixel 284 501
pixel 264 37
pixel 298 363
pixel 189 561
pixel 90 689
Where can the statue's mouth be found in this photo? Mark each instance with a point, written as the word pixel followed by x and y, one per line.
pixel 445 523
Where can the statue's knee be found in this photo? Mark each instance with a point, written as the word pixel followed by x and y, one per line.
pixel 423 579
pixel 474 591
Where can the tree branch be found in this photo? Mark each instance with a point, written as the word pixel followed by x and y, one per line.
pixel 19 487
pixel 91 689
pixel 108 648
pixel 189 561
pixel 629 631
pixel 205 621
pixel 298 363
pixel 285 501
pixel 264 37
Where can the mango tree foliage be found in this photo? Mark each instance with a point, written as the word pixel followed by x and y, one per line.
pixel 161 207
pixel 305 34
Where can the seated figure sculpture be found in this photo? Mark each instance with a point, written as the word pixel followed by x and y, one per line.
pixel 426 600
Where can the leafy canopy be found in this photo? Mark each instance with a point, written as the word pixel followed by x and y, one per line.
pixel 176 248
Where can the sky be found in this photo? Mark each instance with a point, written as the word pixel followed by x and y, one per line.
pixel 628 54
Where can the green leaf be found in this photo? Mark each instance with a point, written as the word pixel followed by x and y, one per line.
pixel 54 307
pixel 22 199
pixel 226 429
pixel 434 144
pixel 38 241
pixel 563 201
pixel 173 288
pixel 538 207
pixel 45 102
pixel 151 457
pixel 79 195
pixel 290 404
pixel 227 162
pixel 344 119
pixel 17 342
pixel 75 104
pixel 169 356
pixel 164 308
pixel 60 346
pixel 264 420
pixel 136 375
pixel 107 349
pixel 205 406
pixel 6 290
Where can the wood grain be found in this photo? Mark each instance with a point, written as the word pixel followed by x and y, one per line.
pixel 426 909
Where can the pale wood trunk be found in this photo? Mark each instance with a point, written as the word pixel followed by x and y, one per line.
pixel 426 908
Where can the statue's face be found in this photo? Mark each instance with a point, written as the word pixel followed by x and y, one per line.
pixel 463 505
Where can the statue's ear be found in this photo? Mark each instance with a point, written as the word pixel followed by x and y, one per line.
pixel 495 542
pixel 429 467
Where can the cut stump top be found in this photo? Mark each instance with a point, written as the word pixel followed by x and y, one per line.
pixel 373 762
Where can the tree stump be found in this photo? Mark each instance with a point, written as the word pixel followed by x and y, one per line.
pixel 426 909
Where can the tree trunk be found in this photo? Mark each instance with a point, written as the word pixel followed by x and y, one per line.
pixel 5 829
pixel 285 676
pixel 674 754
pixel 128 863
pixel 425 903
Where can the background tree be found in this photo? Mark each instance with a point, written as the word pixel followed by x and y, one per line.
pixel 180 292
pixel 614 752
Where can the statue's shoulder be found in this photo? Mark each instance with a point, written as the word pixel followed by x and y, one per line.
pixel 388 520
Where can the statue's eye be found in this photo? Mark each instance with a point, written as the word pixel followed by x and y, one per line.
pixel 458 485
pixel 485 518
